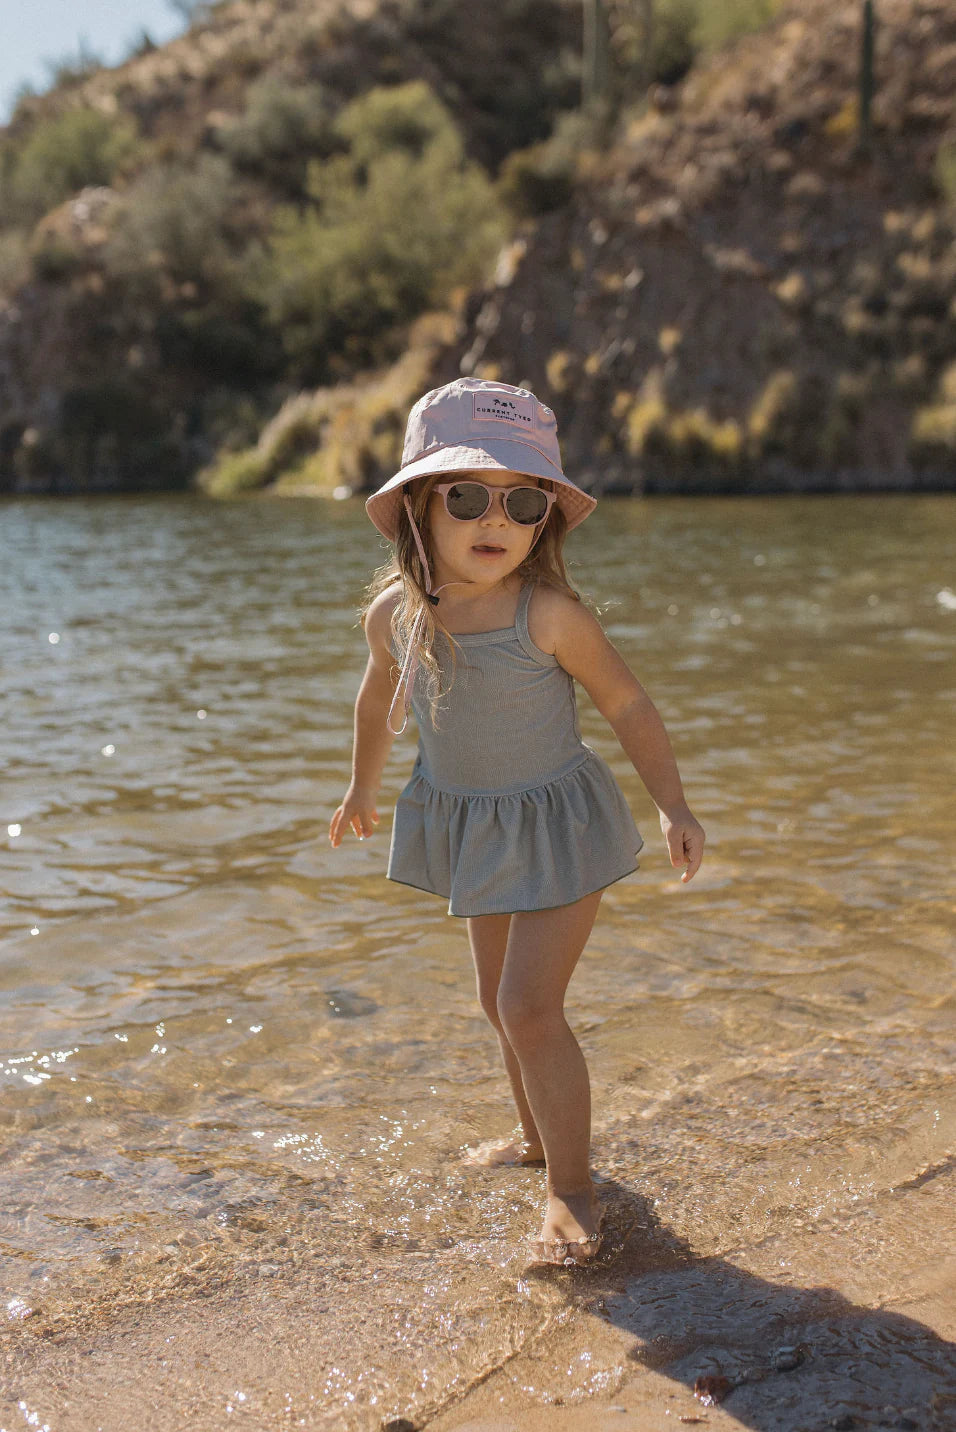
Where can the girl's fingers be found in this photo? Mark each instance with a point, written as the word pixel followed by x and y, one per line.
pixel 364 825
pixel 694 848
pixel 685 847
pixel 360 824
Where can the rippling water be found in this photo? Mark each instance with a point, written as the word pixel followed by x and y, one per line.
pixel 228 1051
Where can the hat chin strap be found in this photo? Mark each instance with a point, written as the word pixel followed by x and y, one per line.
pixel 432 596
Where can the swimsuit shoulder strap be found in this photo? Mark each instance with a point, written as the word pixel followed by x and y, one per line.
pixel 521 628
pixel 524 601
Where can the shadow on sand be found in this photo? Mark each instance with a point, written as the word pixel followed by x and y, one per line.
pixel 779 1356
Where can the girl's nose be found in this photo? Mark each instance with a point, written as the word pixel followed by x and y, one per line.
pixel 496 510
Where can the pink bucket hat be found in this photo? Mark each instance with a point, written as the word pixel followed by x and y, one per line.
pixel 474 423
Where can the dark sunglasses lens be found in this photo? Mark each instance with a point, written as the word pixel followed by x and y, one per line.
pixel 466 501
pixel 526 505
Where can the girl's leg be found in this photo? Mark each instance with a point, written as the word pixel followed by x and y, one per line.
pixel 488 936
pixel 542 951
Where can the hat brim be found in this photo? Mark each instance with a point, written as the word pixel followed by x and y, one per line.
pixel 494 455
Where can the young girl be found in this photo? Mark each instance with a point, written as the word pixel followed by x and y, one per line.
pixel 508 815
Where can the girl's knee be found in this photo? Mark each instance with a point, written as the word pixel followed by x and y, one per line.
pixel 488 999
pixel 525 1017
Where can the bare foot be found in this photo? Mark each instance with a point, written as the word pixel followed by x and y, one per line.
pixel 505 1153
pixel 571 1233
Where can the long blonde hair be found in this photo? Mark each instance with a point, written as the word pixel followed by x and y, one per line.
pixel 543 565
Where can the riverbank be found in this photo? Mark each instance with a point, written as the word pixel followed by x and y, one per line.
pixel 849 1322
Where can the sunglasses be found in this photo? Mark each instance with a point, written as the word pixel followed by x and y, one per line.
pixel 469 500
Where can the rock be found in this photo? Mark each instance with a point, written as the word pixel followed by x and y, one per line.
pixel 806 185
pixel 734 261
pixel 785 1359
pixel 712 1388
pixel 663 98
pixel 792 291
pixel 346 1004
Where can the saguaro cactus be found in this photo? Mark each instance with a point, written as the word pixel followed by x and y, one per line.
pixel 596 66
pixel 866 71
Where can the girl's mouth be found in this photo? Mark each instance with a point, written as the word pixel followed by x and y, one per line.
pixel 488 549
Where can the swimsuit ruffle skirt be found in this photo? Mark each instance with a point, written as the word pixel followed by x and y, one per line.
pixel 507 809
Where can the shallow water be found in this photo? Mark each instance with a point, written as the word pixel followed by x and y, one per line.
pixel 229 1052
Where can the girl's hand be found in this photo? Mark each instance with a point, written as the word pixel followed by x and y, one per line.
pixel 685 841
pixel 358 811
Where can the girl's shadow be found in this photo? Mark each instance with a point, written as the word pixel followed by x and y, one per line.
pixel 782 1357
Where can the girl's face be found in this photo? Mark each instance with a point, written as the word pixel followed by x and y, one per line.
pixel 488 549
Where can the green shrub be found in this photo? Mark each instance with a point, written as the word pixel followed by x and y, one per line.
pixel 282 127
pixel 675 43
pixel 235 473
pixel 681 30
pixel 396 119
pixel 174 217
pixel 394 223
pixel 540 179
pixel 63 155
pixel 533 182
pixel 719 21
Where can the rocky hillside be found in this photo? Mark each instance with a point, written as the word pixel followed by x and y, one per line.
pixel 209 262
pixel 738 296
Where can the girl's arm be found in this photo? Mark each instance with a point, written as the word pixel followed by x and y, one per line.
pixel 373 740
pixel 580 645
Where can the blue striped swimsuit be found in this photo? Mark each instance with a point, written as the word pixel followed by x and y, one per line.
pixel 507 809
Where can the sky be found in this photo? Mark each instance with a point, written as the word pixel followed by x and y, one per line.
pixel 32 31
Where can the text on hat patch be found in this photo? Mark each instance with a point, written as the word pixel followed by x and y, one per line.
pixel 519 412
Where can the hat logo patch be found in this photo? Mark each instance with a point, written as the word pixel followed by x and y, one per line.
pixel 517 412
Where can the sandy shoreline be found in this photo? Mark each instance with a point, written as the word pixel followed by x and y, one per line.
pixel 865 1300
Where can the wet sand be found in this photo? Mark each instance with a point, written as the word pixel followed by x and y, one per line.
pixel 852 1317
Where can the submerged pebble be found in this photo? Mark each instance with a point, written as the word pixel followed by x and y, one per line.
pixel 785 1359
pixel 345 1004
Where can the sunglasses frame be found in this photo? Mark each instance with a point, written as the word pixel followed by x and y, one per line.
pixel 445 487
